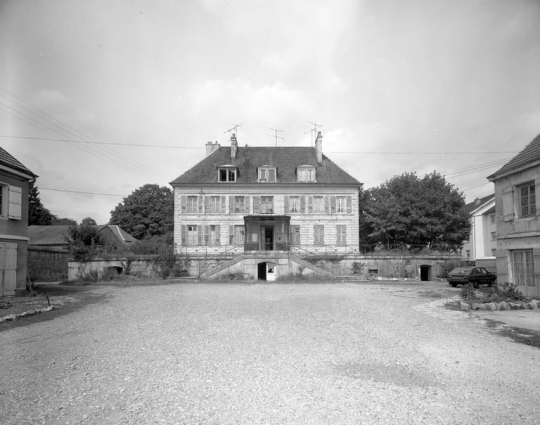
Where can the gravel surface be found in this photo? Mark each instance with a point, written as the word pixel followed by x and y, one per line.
pixel 266 354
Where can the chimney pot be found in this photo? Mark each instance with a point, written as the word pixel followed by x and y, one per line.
pixel 318 148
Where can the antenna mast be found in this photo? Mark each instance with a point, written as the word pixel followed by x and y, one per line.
pixel 235 129
pixel 313 130
pixel 276 134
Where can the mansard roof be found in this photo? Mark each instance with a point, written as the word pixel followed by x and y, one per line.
pixel 7 160
pixel 248 159
pixel 529 155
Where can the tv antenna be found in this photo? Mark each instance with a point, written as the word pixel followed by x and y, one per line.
pixel 235 129
pixel 313 130
pixel 276 134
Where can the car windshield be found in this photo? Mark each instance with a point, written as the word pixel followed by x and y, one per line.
pixel 461 270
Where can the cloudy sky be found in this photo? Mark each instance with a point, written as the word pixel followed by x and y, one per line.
pixel 100 97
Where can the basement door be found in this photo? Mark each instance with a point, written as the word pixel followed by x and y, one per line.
pixel 8 268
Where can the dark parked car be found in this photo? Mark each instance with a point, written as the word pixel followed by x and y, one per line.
pixel 474 275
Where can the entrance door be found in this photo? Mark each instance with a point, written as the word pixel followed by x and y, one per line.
pixel 425 273
pixel 261 271
pixel 267 237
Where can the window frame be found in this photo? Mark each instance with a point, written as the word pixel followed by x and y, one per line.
pixel 265 201
pixel 239 234
pixel 189 209
pixel 524 275
pixel 192 235
pixel 531 194
pixel 215 204
pixel 341 207
pixel 306 174
pixel 318 208
pixel 229 172
pixel 263 174
pixel 294 204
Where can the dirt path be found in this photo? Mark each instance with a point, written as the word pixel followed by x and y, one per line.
pixel 272 354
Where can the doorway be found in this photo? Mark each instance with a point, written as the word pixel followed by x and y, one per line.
pixel 267 237
pixel 261 271
pixel 425 273
pixel 266 271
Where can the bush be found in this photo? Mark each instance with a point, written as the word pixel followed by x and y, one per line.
pixel 84 242
pixel 507 292
pixel 448 265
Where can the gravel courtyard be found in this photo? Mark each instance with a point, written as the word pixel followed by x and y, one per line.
pixel 338 353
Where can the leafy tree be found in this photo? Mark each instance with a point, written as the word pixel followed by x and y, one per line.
pixel 410 212
pixel 63 222
pixel 84 241
pixel 88 221
pixel 147 212
pixel 38 215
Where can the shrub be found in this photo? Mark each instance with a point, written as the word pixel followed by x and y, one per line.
pixel 507 292
pixel 84 242
pixel 448 265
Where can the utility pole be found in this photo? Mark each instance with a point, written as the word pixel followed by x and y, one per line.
pixel 276 134
pixel 313 130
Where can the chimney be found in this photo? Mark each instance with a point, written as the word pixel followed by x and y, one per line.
pixel 211 148
pixel 318 148
pixel 234 146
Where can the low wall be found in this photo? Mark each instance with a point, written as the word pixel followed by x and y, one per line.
pixel 103 268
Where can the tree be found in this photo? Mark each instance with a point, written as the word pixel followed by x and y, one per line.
pixel 84 241
pixel 38 215
pixel 416 213
pixel 63 222
pixel 88 221
pixel 147 212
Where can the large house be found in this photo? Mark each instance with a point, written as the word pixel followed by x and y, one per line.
pixel 518 221
pixel 482 243
pixel 14 186
pixel 262 208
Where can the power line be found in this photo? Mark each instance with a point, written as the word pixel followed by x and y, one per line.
pixel 420 153
pixel 99 143
pixel 78 191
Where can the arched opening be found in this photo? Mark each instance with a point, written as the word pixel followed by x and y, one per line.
pixel 425 273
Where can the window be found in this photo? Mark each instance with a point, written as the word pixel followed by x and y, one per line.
pixel 341 204
pixel 10 201
pixel 267 204
pixel 294 204
pixel 341 235
pixel 192 204
pixel 319 234
pixel 468 254
pixel 493 236
pixel 211 234
pixel 527 198
pixel 523 267
pixel 192 235
pixel 239 204
pixel 215 204
pixel 492 218
pixel 267 174
pixel 318 204
pixel 227 174
pixel 2 197
pixel 494 252
pixel 239 233
pixel 306 174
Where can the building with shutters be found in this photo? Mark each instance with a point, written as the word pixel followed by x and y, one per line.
pixel 260 211
pixel 14 186
pixel 518 220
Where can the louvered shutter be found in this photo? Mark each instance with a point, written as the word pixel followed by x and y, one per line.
pixel 508 203
pixel 310 204
pixel 246 204
pixel 200 202
pixel 256 205
pixel 184 234
pixel 183 204
pixel 207 204
pixel 231 235
pixel 537 197
pixel 349 204
pixel 200 232
pixel 206 235
pixel 218 234
pixel 232 210
pixel 332 204
pixel 15 202
pixel 303 204
pixel 286 204
pixel 326 205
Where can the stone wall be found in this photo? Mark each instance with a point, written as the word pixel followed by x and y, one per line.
pixel 47 265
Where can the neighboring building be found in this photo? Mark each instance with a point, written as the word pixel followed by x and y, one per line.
pixel 482 243
pixel 54 237
pixel 262 208
pixel 14 186
pixel 518 223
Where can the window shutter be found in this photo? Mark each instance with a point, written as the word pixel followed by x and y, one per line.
pixel 326 204
pixel 183 204
pixel 310 204
pixel 295 234
pixel 206 204
pixel 508 203
pixel 322 233
pixel 200 232
pixel 286 202
pixel 184 233
pixel 206 235
pixel 303 204
pixel 200 201
pixel 349 204
pixel 218 230
pixel 536 268
pixel 246 204
pixel 231 205
pixel 256 205
pixel 15 202
pixel 537 199
pixel 332 204
pixel 341 239
pixel 231 235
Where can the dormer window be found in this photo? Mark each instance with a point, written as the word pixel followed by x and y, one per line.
pixel 227 174
pixel 267 174
pixel 306 173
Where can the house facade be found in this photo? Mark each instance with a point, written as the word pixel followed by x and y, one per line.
pixel 518 220
pixel 14 186
pixel 482 243
pixel 263 208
